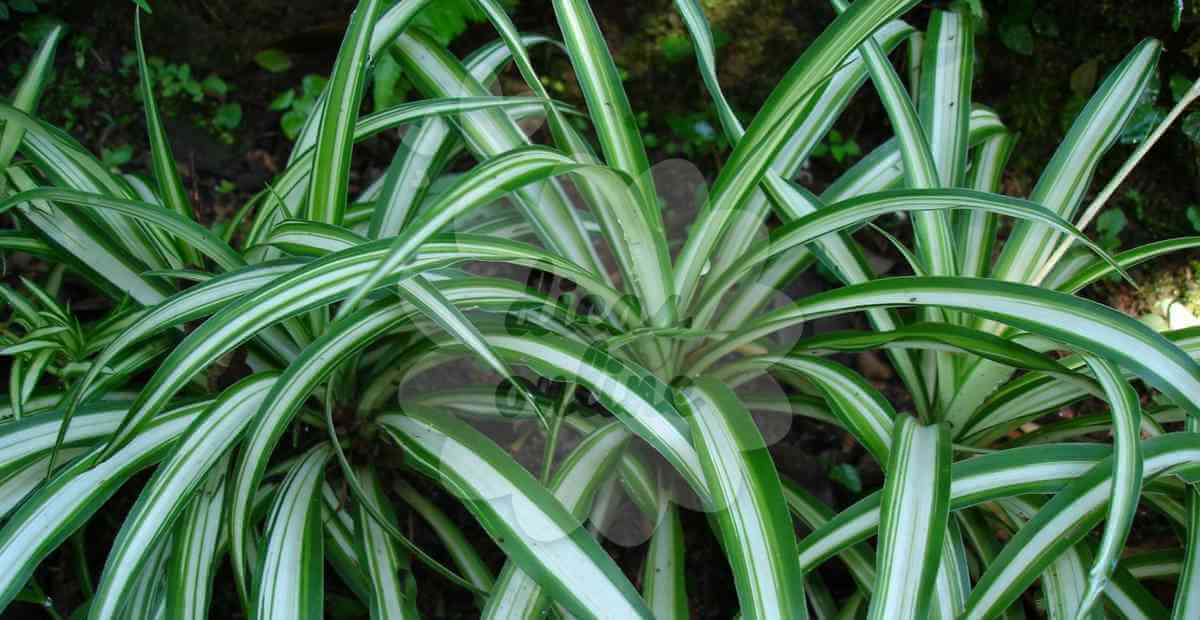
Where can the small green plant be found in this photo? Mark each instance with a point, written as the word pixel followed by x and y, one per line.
pixel 273 60
pixel 296 106
pixel 691 135
pixel 1021 22
pixel 18 7
pixel 446 19
pixel 1193 216
pixel 81 46
pixel 1149 114
pixel 300 391
pixel 117 156
pixel 228 116
pixel 1109 226
pixel 838 148
pixel 845 475
pixel 177 82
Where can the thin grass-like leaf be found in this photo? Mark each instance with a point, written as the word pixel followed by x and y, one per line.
pixel 170 186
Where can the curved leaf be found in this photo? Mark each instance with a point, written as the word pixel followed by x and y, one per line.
pixel 1073 321
pixel 750 512
pixel 291 576
pixel 533 528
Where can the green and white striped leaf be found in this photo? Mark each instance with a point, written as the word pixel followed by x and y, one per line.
pixel 28 91
pixel 488 134
pixel 94 250
pixel 1126 260
pixel 768 132
pixel 196 545
pixel 483 184
pixel 1071 320
pixel 378 555
pixel 639 399
pixel 66 501
pixel 172 487
pixel 1063 521
pixel 195 235
pixel 857 405
pixel 976 233
pixel 291 576
pixel 931 230
pixel 862 209
pixel 608 106
pixel 1126 476
pixel 814 513
pixel 524 519
pixel 425 151
pixel 426 298
pixel 516 595
pixel 1187 595
pixel 335 129
pixel 664 583
pixel 1065 179
pixel 945 100
pixel 1009 473
pixel 914 513
pixel 747 499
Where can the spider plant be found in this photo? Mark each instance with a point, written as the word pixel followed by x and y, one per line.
pixel 272 380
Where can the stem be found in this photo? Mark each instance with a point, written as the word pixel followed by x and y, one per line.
pixel 374 512
pixel 1134 159
pixel 552 433
pixel 81 564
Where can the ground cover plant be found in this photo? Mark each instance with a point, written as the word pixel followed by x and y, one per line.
pixel 263 385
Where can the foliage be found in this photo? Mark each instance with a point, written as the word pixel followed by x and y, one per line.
pixel 273 60
pixel 116 157
pixel 9 8
pixel 177 82
pixel 1021 23
pixel 296 107
pixel 837 147
pixel 631 367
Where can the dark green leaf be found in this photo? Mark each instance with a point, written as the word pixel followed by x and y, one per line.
pixel 228 116
pixel 1191 126
pixel 273 60
pixel 1017 37
pixel 846 475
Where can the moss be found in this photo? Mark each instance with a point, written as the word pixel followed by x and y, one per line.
pixel 1160 286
